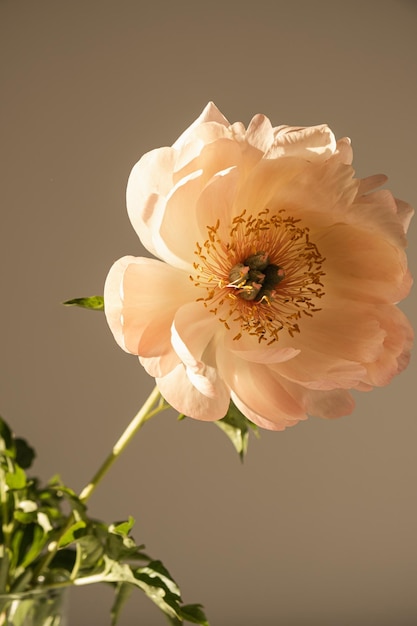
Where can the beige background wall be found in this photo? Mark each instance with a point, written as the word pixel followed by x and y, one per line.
pixel 317 528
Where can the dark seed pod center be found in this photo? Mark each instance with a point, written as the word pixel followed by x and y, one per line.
pixel 255 279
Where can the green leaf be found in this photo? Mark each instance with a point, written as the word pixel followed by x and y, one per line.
pixel 96 303
pixel 25 517
pixel 123 528
pixel 25 454
pixel 16 479
pixel 194 613
pixel 6 437
pixel 35 547
pixel 92 552
pixel 236 426
pixel 71 534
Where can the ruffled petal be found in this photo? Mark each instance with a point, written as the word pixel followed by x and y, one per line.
pixel 212 158
pixel 404 212
pixel 378 211
pixel 396 348
pixel 344 152
pixel 311 143
pixel 208 401
pixel 260 133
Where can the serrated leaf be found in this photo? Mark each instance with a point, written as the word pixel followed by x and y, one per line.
pixel 236 426
pixel 95 303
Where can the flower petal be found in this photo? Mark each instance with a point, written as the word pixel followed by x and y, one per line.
pixel 313 142
pixel 259 420
pixel 141 297
pixel 396 348
pixel 192 330
pixel 259 389
pixel 162 365
pixel 260 133
pixel 364 267
pixel 149 181
pixel 209 206
pixel 209 114
pixel 182 394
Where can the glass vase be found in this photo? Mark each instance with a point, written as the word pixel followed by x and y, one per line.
pixel 40 607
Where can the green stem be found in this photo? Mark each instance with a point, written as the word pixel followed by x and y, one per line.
pixel 144 414
pixel 154 404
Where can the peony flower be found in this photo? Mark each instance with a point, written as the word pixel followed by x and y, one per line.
pixel 276 273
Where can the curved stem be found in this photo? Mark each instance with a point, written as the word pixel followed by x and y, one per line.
pixel 153 405
pixel 147 411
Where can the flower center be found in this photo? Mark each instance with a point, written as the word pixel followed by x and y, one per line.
pixel 262 276
pixel 256 278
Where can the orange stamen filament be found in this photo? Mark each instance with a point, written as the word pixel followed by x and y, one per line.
pixel 258 306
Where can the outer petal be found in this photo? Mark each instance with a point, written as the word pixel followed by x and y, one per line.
pixel 396 348
pixel 183 395
pixel 379 211
pixel 149 181
pixel 363 266
pixel 328 404
pixel 314 369
pixel 342 330
pixel 259 389
pixel 278 425
pixel 159 366
pixel 209 114
pixel 141 297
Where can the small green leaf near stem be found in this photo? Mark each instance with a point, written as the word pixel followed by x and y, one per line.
pixel 95 303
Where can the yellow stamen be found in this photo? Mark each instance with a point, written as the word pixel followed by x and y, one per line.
pixel 291 262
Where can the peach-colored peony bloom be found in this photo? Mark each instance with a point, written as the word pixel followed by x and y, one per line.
pixel 277 273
